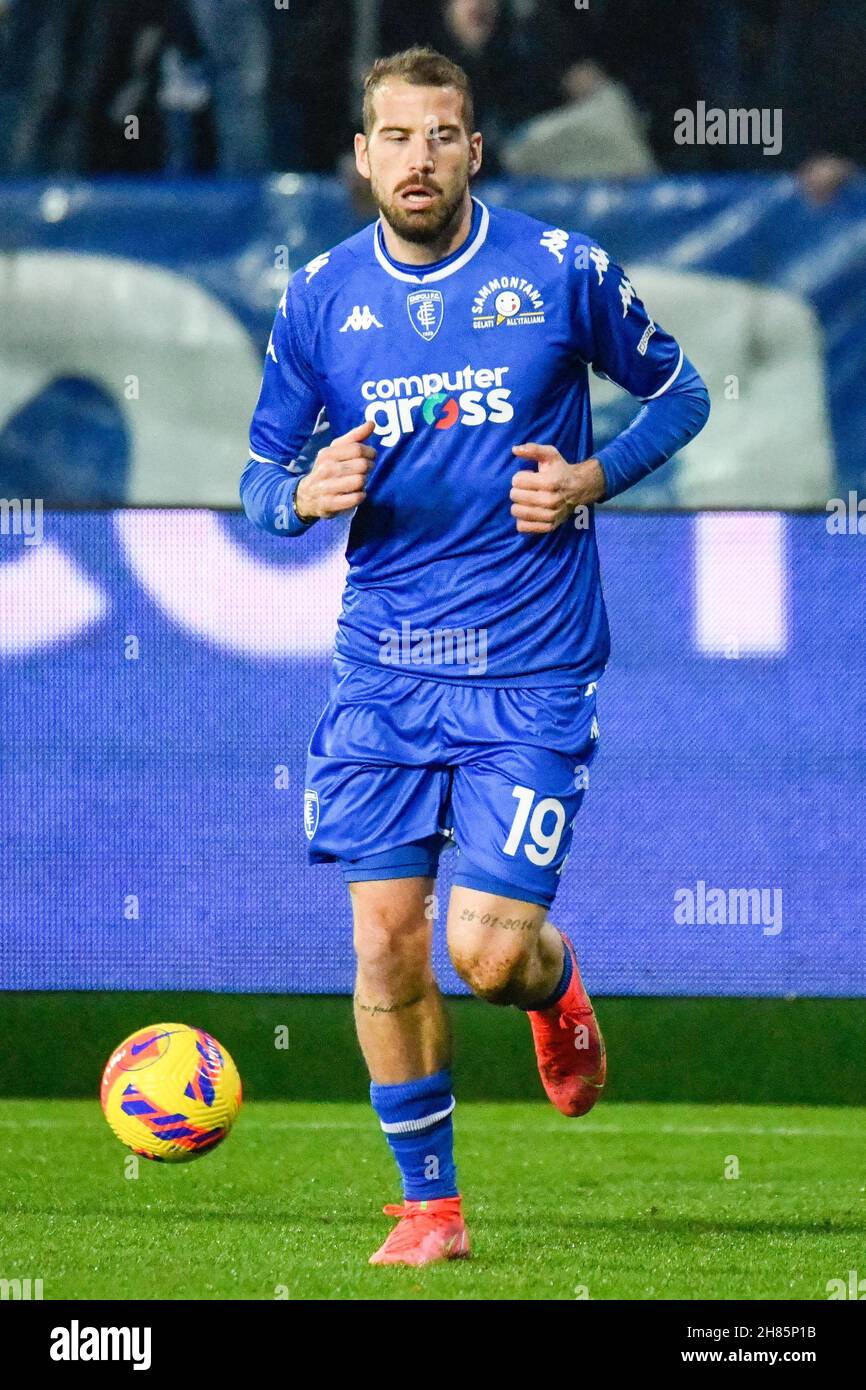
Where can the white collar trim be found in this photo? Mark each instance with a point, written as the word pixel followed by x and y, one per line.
pixel 425 277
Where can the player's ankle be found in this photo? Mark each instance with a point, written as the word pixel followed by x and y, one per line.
pixel 551 1002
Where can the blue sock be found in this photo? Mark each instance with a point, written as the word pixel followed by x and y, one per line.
pixel 564 982
pixel 416 1119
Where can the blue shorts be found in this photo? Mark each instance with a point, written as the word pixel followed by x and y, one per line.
pixel 399 767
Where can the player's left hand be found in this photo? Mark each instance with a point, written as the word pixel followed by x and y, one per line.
pixel 544 500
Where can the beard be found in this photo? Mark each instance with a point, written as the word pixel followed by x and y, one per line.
pixel 424 226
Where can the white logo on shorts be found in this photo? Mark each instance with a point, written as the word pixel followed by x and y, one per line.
pixel 311 813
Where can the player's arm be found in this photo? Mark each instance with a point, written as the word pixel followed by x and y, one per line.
pixel 614 333
pixel 281 490
pixel 624 345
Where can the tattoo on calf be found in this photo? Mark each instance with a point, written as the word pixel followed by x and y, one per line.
pixel 390 1008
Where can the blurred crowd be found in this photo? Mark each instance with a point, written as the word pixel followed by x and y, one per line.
pixel 563 88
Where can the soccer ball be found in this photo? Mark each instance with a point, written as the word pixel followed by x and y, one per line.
pixel 170 1092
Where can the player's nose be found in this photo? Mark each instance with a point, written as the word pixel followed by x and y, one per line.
pixel 421 157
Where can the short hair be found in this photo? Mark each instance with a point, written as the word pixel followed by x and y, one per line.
pixel 422 67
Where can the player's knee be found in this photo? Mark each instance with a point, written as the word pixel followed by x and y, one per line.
pixel 391 950
pixel 494 977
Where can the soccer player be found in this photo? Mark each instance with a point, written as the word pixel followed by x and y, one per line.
pixel 448 343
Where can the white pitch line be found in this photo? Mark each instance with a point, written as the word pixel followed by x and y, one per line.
pixel 529 1127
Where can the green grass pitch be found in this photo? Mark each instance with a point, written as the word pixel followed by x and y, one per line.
pixel 630 1202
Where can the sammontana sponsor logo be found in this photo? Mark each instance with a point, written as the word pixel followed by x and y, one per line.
pixel 510 300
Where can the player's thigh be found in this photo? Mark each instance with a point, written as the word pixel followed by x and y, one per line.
pixel 517 789
pixel 392 903
pixel 374 779
pixel 514 811
pixel 490 932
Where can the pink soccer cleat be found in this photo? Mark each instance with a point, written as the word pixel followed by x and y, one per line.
pixel 427 1231
pixel 569 1047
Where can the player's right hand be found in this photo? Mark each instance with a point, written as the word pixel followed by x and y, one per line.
pixel 336 482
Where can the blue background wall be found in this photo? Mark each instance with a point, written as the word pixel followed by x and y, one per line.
pixel 155 776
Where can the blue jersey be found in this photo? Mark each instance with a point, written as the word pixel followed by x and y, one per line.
pixel 454 363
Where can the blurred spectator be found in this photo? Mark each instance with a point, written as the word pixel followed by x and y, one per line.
pixel 515 56
pixel 234 40
pixel 597 134
pixel 646 45
pixel 590 126
pixel 240 86
pixel 533 59
pixel 806 58
pixel 75 71
pixel 314 110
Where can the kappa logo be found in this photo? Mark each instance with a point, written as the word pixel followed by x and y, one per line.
pixel 555 241
pixel 626 294
pixel 316 264
pixel 600 259
pixel 426 309
pixel 311 813
pixel 511 300
pixel 361 318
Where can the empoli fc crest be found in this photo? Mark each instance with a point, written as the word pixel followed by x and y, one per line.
pixel 426 308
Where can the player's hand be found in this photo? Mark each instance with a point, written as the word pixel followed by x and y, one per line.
pixel 544 500
pixel 336 482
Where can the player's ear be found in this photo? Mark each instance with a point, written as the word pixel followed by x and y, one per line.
pixel 362 163
pixel 475 153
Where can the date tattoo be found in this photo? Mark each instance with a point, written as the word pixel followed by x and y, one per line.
pixel 490 919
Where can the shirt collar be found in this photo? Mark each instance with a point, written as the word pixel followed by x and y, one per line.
pixel 439 269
